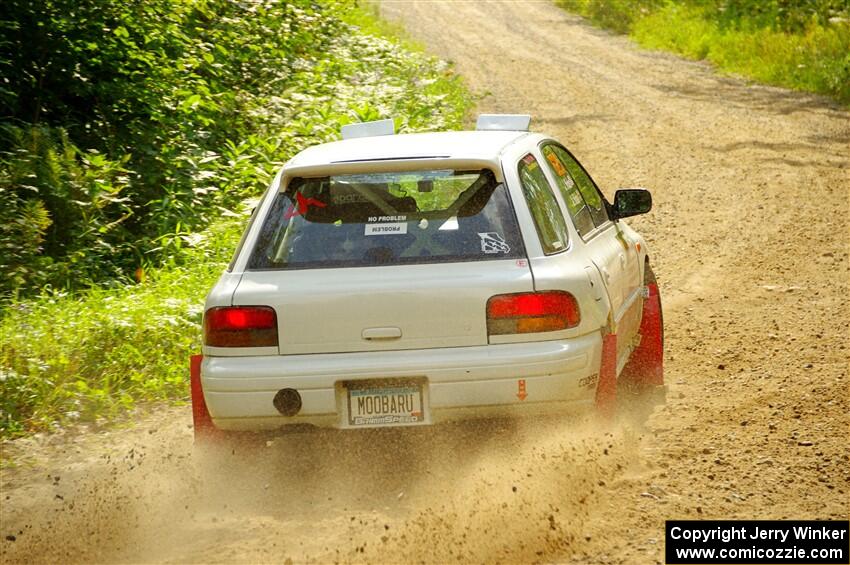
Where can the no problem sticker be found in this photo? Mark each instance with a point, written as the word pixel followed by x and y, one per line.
pixel 397 228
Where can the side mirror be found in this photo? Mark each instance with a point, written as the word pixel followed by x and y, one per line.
pixel 631 202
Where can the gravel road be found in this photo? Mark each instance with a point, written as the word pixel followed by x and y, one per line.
pixel 749 239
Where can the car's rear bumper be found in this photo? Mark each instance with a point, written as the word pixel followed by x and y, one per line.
pixel 461 382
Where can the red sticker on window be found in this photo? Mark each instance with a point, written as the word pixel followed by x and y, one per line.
pixel 304 204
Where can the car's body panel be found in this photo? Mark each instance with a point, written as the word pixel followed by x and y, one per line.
pixel 566 272
pixel 222 293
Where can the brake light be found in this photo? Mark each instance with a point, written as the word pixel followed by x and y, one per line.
pixel 240 326
pixel 532 312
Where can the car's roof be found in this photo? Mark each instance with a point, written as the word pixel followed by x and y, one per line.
pixel 483 145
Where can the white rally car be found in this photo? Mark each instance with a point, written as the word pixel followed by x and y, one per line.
pixel 402 280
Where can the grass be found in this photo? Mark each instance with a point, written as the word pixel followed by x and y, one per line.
pixel 91 355
pixel 813 56
pixel 94 354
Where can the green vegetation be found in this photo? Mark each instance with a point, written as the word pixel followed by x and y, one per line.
pixel 133 134
pixel 127 125
pixel 69 357
pixel 800 44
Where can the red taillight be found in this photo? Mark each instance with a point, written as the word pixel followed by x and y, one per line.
pixel 532 312
pixel 240 326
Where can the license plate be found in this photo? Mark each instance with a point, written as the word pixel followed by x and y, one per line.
pixel 385 403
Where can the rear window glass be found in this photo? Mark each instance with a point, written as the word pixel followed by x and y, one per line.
pixel 388 219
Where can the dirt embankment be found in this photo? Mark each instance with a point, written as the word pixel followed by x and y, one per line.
pixel 749 238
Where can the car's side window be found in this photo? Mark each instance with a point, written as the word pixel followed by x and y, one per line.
pixel 550 223
pixel 591 194
pixel 578 208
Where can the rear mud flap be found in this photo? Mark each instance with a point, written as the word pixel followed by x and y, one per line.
pixel 606 388
pixel 203 424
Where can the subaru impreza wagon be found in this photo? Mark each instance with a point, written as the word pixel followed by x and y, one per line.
pixel 404 280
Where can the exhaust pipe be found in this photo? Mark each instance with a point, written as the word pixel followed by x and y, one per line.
pixel 287 401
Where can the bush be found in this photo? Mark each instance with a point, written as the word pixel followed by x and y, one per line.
pixel 67 357
pixel 127 124
pixel 617 15
pixel 58 203
pixel 80 354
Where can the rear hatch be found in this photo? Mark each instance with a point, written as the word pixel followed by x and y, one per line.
pixel 385 261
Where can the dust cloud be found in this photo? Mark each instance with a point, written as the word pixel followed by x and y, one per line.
pixel 483 491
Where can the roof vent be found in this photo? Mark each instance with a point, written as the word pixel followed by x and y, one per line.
pixel 503 122
pixel 368 129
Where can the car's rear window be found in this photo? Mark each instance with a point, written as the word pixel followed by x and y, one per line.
pixel 388 219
